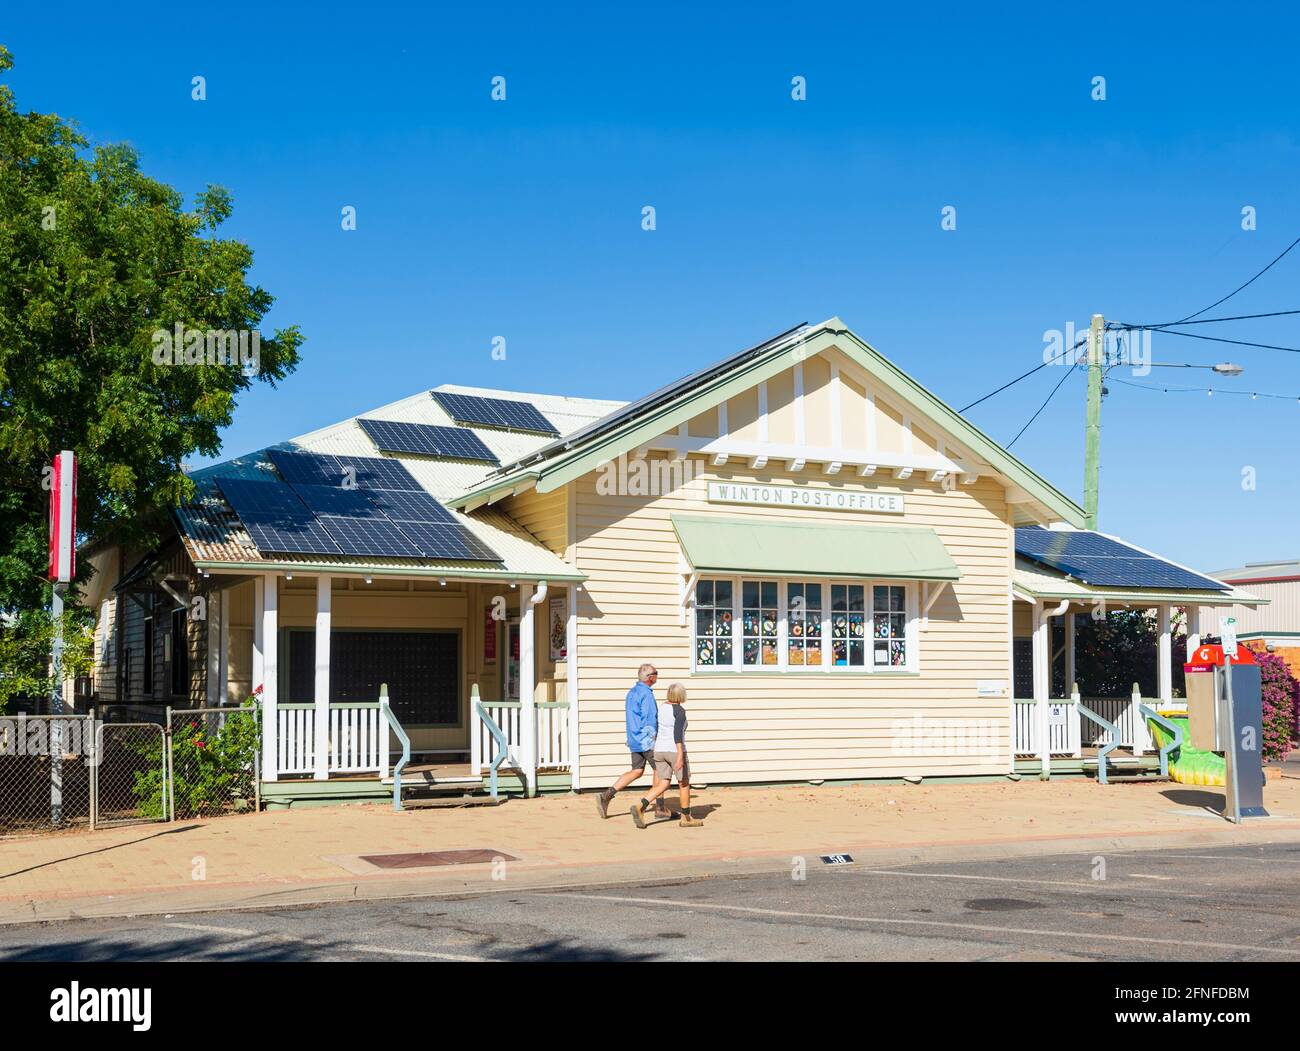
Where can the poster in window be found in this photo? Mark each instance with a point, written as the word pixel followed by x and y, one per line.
pixel 489 638
pixel 558 632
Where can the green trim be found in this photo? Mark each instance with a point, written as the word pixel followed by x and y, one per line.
pixel 713 544
pixel 353 570
pixel 569 466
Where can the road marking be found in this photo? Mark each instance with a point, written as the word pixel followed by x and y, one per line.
pixel 212 928
pixel 960 875
pixel 1221 857
pixel 888 921
pixel 1143 875
pixel 381 950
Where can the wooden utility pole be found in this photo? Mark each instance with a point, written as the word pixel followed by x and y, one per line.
pixel 1092 432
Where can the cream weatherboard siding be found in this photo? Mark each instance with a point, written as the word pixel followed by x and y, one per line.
pixel 773 726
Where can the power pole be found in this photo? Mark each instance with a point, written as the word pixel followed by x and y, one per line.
pixel 1092 432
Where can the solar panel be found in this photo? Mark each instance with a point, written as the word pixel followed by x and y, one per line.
pixel 382 512
pixel 335 500
pixel 410 507
pixel 494 412
pixel 378 472
pixel 1098 560
pixel 303 468
pixel 373 536
pixel 448 540
pixel 448 443
pixel 276 519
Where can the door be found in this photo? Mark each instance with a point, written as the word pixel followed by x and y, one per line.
pixel 512 660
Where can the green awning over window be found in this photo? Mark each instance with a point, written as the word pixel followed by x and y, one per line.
pixel 813 549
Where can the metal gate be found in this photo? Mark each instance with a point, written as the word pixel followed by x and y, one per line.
pixel 128 781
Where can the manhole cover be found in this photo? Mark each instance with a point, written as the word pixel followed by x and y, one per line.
pixel 1001 904
pixel 435 857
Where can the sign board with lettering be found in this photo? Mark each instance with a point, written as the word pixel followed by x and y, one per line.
pixel 802 496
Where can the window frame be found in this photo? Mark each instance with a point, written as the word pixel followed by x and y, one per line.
pixel 911 634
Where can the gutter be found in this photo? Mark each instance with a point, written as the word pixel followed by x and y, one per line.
pixel 316 568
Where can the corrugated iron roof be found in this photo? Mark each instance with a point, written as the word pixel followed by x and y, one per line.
pixel 1037 581
pixel 213 535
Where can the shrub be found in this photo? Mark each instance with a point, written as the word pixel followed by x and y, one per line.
pixel 1280 694
pixel 212 769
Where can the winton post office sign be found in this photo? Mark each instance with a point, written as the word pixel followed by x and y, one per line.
pixel 799 496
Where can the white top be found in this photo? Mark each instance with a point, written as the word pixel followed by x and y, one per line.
pixel 672 727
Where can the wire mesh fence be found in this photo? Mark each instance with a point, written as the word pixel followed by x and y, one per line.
pixel 139 764
pixel 129 777
pixel 46 764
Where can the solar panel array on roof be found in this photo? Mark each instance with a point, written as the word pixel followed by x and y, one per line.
pixel 494 412
pixel 423 439
pixel 1098 560
pixel 351 505
pixel 276 518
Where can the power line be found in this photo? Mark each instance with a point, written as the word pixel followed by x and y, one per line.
pixel 1068 373
pixel 1206 320
pixel 1050 361
pixel 1238 289
pixel 1176 389
pixel 1221 339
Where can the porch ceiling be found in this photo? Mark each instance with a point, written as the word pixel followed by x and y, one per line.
pixel 1038 582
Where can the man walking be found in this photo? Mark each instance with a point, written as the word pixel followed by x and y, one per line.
pixel 642 728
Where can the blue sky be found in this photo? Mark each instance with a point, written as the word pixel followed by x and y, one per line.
pixel 522 218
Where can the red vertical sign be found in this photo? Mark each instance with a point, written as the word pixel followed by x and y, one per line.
pixel 63 518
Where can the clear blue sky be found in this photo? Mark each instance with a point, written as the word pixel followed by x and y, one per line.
pixel 522 219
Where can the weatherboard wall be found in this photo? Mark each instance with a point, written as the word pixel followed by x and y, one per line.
pixel 771 726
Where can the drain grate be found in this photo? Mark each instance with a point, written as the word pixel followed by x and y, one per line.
pixel 428 859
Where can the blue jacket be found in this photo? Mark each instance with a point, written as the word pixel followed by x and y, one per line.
pixel 642 718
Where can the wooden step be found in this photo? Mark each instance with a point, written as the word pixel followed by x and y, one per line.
pixel 448 802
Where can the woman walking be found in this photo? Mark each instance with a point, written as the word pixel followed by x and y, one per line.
pixel 670 757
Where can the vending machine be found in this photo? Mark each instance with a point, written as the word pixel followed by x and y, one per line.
pixel 1225 714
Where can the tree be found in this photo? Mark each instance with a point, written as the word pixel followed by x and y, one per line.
pixel 99 264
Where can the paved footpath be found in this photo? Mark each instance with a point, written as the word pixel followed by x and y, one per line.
pixel 284 858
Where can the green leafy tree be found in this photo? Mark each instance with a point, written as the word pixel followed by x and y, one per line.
pixel 96 258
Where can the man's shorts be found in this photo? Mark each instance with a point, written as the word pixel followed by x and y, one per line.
pixel 664 767
pixel 639 760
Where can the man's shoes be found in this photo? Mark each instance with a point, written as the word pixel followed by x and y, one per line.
pixel 689 822
pixel 602 802
pixel 638 815
pixel 661 810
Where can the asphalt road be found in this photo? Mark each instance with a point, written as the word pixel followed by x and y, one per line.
pixel 1194 904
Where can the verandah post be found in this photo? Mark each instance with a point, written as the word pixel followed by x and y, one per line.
pixel 269 622
pixel 527 681
pixel 321 695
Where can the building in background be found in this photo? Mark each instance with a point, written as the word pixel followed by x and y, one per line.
pixel 1275 627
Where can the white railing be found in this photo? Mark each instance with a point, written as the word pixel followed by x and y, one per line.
pixel 1079 732
pixel 358 739
pixel 1062 738
pixel 552 734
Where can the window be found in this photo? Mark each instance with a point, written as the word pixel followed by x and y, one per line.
pixel 146 671
pixel 804 625
pixel 848 625
pixel 889 625
pixel 758 623
pixel 180 655
pixel 803 604
pixel 420 668
pixel 713 617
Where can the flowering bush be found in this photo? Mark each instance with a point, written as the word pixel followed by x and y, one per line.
pixel 213 764
pixel 1280 693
